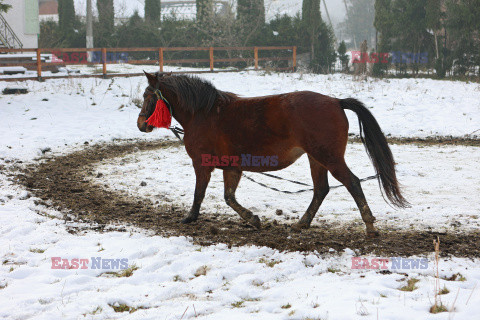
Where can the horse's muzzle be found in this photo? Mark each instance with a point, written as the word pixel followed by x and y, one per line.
pixel 142 126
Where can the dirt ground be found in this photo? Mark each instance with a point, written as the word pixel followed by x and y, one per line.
pixel 63 183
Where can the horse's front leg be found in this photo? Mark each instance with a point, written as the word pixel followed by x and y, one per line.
pixel 202 174
pixel 231 178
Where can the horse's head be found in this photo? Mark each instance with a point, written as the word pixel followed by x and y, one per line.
pixel 149 100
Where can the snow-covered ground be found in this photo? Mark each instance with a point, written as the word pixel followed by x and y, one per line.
pixel 443 196
pixel 79 110
pixel 83 69
pixel 176 279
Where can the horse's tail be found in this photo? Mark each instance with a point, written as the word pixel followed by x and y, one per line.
pixel 378 150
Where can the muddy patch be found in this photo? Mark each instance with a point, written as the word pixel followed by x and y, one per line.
pixel 64 183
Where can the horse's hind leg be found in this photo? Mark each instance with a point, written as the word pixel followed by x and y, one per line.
pixel 343 174
pixel 231 178
pixel 320 191
pixel 202 175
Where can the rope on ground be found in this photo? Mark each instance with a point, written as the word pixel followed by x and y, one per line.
pixel 297 182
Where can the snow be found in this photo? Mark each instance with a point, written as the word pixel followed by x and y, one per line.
pixel 12 69
pixel 77 109
pixel 245 282
pixel 23 55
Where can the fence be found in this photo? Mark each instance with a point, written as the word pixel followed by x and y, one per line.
pixel 76 56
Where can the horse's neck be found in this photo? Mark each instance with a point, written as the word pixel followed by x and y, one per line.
pixel 182 116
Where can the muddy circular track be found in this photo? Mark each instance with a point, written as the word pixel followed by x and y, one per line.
pixel 64 183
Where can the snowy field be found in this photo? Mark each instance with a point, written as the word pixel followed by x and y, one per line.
pixel 177 279
pixel 79 110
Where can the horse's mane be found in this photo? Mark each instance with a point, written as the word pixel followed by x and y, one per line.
pixel 195 94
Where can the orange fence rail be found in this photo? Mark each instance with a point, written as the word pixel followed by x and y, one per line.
pixel 76 56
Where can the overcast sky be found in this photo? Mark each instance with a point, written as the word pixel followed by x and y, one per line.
pixel 336 8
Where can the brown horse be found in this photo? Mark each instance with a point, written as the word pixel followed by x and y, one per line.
pixel 222 128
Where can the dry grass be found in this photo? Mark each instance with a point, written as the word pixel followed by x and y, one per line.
pixel 438 308
pixel 410 285
pixel 438 305
pixel 121 308
pixel 269 263
pixel 201 271
pixel 455 277
pixel 333 270
pixel 444 290
pixel 238 304
pixel 123 273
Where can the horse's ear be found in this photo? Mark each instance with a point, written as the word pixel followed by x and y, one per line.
pixel 165 74
pixel 152 79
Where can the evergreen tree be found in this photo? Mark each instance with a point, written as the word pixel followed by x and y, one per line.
pixel 204 11
pixel 433 15
pixel 4 7
pixel 152 11
pixel 383 23
pixel 325 55
pixel 342 55
pixel 403 27
pixel 66 17
pixel 463 26
pixel 284 31
pixel 316 37
pixel 410 24
pixel 250 17
pixel 49 36
pixel 311 19
pixel 106 16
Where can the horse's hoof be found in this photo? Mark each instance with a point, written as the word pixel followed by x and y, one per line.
pixel 255 221
pixel 189 219
pixel 299 226
pixel 373 234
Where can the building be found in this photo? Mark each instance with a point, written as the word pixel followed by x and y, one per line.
pixel 19 27
pixel 48 10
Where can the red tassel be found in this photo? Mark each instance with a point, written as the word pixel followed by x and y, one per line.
pixel 161 117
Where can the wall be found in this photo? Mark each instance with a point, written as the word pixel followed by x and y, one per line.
pixel 23 19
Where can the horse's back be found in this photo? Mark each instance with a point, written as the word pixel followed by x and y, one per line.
pixel 280 122
pixel 295 113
